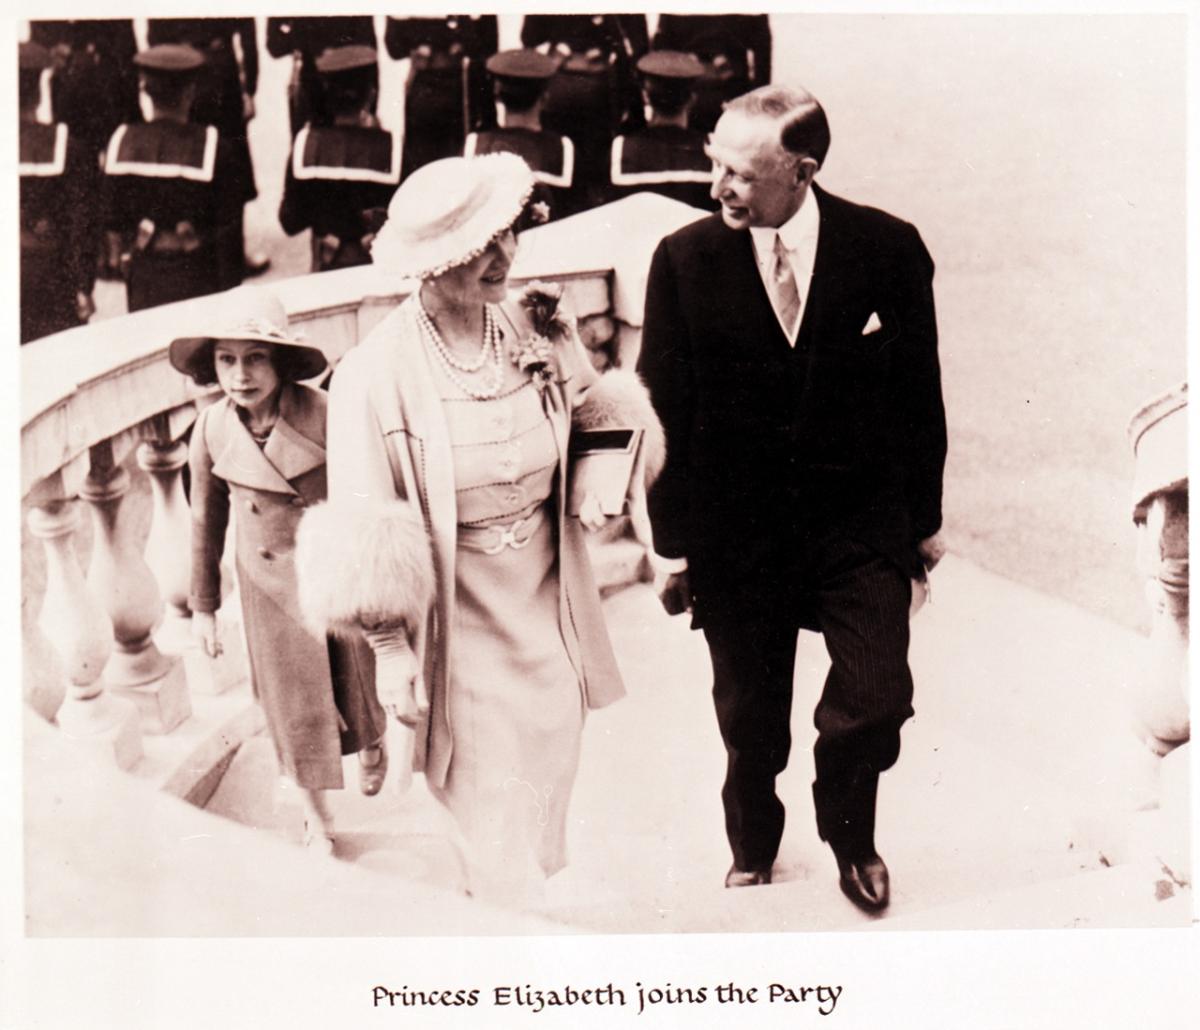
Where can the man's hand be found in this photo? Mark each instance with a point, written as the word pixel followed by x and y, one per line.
pixel 931 550
pixel 248 110
pixel 675 592
pixel 204 629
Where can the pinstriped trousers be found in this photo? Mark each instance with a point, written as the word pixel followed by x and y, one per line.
pixel 860 601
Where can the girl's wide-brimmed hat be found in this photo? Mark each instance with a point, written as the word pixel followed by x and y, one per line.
pixel 447 212
pixel 247 313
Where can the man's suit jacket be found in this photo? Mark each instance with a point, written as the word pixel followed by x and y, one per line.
pixel 769 446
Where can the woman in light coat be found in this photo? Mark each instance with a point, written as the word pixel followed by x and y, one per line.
pixel 448 438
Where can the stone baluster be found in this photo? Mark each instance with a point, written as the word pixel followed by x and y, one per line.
pixel 168 547
pixel 127 589
pixel 78 628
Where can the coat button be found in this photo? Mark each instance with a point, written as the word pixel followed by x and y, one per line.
pixel 253 507
pixel 297 502
pixel 265 554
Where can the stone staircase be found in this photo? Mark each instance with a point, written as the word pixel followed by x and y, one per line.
pixel 1021 799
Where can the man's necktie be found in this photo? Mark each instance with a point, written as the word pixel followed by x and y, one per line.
pixel 781 284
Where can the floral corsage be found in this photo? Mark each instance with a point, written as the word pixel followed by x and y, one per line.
pixel 535 353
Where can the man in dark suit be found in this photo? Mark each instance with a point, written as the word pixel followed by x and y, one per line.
pixel 790 347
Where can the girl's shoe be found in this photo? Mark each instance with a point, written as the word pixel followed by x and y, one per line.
pixel 372 768
pixel 317 838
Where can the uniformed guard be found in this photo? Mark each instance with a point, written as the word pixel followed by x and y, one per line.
pixel 664 156
pixel 341 176
pixel 519 79
pixel 94 87
pixel 305 38
pixel 225 90
pixel 446 94
pixel 735 50
pixel 58 228
pixel 172 192
pixel 594 91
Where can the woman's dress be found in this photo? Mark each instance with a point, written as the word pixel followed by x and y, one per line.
pixel 515 701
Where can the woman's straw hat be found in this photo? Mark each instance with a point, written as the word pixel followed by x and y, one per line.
pixel 246 313
pixel 447 212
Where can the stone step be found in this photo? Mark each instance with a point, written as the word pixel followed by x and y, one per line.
pixel 1019 771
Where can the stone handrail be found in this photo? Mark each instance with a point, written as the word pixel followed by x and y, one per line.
pixel 95 395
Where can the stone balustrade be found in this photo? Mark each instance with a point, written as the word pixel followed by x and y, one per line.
pixel 101 404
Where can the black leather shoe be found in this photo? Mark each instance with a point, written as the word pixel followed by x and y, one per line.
pixel 746 877
pixel 865 882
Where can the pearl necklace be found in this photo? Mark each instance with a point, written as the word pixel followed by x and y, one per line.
pixel 452 365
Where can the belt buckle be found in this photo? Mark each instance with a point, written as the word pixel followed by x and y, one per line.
pixel 508 538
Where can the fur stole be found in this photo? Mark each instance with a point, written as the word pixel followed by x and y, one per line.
pixel 363 567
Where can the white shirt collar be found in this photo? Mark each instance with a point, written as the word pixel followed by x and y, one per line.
pixel 798 229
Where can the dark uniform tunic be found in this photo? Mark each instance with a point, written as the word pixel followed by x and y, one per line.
pixel 663 159
pixel 551 156
pixel 308 37
pixel 95 85
pixel 590 96
pixel 447 93
pixel 58 227
pixel 735 50
pixel 339 182
pixel 221 81
pixel 174 194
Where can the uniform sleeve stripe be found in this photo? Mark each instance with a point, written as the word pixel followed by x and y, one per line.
pixel 114 165
pixel 301 171
pixel 568 167
pixel 56 165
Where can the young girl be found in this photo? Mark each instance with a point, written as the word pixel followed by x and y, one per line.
pixel 261 451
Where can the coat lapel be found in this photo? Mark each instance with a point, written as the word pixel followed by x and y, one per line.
pixel 288 448
pixel 833 266
pixel 240 460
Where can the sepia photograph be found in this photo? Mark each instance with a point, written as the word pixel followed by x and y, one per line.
pixel 677 515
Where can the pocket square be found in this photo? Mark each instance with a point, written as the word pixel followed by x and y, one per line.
pixel 873 323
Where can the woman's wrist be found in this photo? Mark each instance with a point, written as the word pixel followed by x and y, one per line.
pixel 388 641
